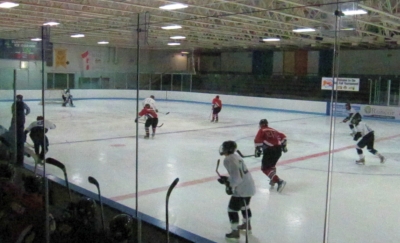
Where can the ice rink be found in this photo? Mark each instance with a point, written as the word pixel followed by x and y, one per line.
pixel 98 138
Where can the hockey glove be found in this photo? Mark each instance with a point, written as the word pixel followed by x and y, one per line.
pixel 136 120
pixel 228 190
pixel 284 147
pixel 258 151
pixel 357 136
pixel 223 180
pixel 156 110
pixel 345 120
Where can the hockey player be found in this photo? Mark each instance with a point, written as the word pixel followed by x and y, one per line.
pixel 150 101
pixel 36 134
pixel 270 143
pixel 67 98
pixel 216 106
pixel 352 114
pixel 151 120
pixel 365 132
pixel 19 110
pixel 242 187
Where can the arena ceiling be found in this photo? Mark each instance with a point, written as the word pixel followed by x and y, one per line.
pixel 208 24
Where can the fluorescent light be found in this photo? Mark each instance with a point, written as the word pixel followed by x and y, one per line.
pixel 51 23
pixel 304 30
pixel 102 42
pixel 8 5
pixel 174 44
pixel 171 27
pixel 174 6
pixel 185 52
pixel 36 39
pixel 354 12
pixel 271 39
pixel 178 37
pixel 78 36
pixel 347 29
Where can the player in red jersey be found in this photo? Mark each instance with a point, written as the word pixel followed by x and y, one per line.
pixel 270 143
pixel 151 120
pixel 216 108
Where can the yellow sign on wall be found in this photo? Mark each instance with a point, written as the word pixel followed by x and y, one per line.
pixel 61 57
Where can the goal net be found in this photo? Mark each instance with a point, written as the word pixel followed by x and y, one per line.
pixel 52 96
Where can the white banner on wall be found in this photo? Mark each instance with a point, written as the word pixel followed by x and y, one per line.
pixel 342 84
pixel 373 111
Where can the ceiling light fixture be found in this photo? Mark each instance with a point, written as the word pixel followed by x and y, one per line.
pixel 271 39
pixel 103 42
pixel 8 5
pixel 51 23
pixel 174 6
pixel 354 12
pixel 178 37
pixel 185 52
pixel 36 39
pixel 78 36
pixel 171 27
pixel 304 30
pixel 174 44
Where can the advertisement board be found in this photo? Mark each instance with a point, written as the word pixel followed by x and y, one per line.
pixel 372 111
pixel 341 84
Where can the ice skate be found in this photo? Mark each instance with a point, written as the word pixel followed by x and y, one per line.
pixel 212 120
pixel 146 137
pixel 245 227
pixel 271 183
pixel 234 235
pixel 382 158
pixel 360 161
pixel 152 135
pixel 281 185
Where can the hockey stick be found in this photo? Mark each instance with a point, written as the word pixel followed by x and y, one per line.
pixel 60 165
pixel 171 187
pixel 93 181
pixel 216 170
pixel 244 156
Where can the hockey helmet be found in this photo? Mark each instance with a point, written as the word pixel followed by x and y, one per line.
pixel 263 122
pixel 20 97
pixel 348 106
pixel 227 147
pixel 121 227
pixel 152 96
pixel 86 208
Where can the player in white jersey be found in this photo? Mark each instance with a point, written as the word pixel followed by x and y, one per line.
pixel 151 101
pixel 367 136
pixel 352 113
pixel 40 142
pixel 67 98
pixel 242 188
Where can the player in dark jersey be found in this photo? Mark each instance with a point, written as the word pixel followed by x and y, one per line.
pixel 270 143
pixel 151 120
pixel 216 108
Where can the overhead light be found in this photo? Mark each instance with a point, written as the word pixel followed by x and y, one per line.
pixel 271 39
pixel 174 44
pixel 304 30
pixel 51 23
pixel 354 12
pixel 171 27
pixel 8 5
pixel 102 42
pixel 347 29
pixel 36 39
pixel 174 6
pixel 185 52
pixel 178 37
pixel 78 36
